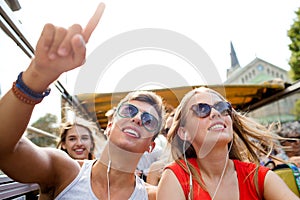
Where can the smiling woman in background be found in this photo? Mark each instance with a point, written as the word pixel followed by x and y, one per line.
pixel 76 139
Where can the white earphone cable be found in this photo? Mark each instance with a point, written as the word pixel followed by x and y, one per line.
pixel 190 174
pixel 188 168
pixel 223 172
pixel 107 172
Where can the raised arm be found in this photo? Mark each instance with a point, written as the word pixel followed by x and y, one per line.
pixel 58 50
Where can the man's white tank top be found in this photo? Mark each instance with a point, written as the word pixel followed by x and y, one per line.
pixel 80 188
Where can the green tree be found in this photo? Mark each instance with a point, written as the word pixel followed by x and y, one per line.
pixel 294 34
pixel 46 123
pixel 296 110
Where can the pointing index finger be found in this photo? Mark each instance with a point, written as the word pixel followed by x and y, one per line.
pixel 93 22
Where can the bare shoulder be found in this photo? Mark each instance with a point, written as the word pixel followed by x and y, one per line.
pixel 167 183
pixel 276 189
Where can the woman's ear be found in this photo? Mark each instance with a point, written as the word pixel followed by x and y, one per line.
pixel 183 134
pixel 63 146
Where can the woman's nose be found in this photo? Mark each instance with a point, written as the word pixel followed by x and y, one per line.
pixel 214 113
pixel 79 141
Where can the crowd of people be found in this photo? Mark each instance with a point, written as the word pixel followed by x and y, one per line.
pixel 215 150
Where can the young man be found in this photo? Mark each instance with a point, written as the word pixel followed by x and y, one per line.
pixel 136 123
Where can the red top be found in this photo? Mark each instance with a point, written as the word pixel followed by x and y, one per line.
pixel 245 173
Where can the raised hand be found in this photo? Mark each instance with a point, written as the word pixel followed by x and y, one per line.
pixel 59 50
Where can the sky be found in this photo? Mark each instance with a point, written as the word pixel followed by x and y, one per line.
pixel 256 29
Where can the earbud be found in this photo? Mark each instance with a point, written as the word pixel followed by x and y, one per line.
pixel 107 130
pixel 185 135
pixel 150 148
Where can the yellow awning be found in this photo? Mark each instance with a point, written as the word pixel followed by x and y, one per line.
pixel 242 97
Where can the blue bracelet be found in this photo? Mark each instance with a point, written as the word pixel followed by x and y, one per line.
pixel 26 90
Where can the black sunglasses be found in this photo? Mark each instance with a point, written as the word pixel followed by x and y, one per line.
pixel 203 110
pixel 129 111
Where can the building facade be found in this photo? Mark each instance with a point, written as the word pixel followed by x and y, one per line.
pixel 257 72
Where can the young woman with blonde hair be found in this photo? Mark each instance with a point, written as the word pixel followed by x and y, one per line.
pixel 215 152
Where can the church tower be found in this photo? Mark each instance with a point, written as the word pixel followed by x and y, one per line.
pixel 234 61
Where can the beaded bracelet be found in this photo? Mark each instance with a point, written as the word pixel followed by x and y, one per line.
pixel 26 90
pixel 23 97
pixel 25 94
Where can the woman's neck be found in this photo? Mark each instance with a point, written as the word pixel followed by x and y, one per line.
pixel 214 163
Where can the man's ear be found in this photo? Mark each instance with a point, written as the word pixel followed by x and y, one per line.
pixel 151 147
pixel 107 130
pixel 183 134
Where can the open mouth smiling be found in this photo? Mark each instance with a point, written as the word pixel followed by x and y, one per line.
pixel 217 127
pixel 131 132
